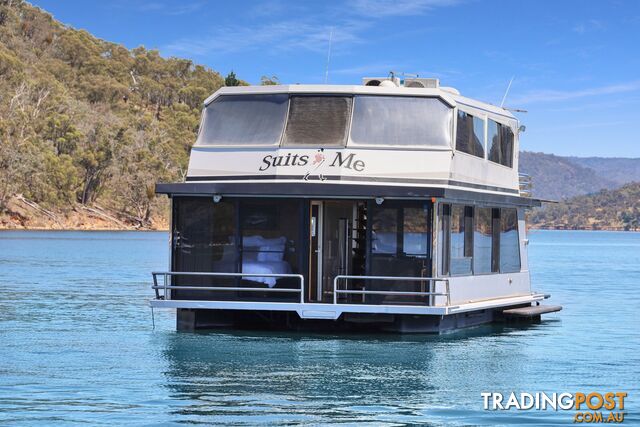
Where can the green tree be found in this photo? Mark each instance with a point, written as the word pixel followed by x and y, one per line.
pixel 231 79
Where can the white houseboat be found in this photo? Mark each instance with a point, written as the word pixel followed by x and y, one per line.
pixel 390 206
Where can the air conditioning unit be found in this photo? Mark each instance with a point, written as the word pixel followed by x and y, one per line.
pixel 422 83
pixel 379 81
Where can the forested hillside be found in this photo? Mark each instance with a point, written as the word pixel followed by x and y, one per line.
pixel 557 178
pixel 617 169
pixel 89 124
pixel 605 210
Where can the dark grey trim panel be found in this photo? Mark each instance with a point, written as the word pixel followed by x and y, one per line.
pixel 333 190
pixel 353 178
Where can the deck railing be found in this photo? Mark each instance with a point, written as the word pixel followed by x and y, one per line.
pixel 526 185
pixel 166 285
pixel 431 280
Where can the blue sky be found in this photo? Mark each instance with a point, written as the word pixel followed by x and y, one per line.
pixel 576 64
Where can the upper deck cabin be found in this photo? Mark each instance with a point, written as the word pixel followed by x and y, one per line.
pixel 383 136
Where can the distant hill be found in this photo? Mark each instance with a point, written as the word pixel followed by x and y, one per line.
pixel 557 177
pixel 617 169
pixel 617 209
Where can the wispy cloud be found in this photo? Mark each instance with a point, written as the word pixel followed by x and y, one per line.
pixel 348 22
pixel 161 7
pixel 274 37
pixel 550 95
pixel 385 8
pixel 588 26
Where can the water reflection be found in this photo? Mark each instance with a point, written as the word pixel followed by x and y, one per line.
pixel 289 377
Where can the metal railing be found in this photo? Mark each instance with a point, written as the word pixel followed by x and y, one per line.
pixel 166 285
pixel 431 281
pixel 526 185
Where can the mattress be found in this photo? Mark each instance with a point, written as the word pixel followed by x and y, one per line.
pixel 257 267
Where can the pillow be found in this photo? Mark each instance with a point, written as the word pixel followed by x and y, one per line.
pixel 271 253
pixel 275 241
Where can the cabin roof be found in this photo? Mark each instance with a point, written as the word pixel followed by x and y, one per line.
pixel 448 97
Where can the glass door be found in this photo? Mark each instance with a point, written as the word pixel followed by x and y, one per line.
pixel 337 246
pixel 331 246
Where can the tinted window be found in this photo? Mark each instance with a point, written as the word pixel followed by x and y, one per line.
pixel 203 241
pixel 500 138
pixel 270 232
pixel 444 242
pixel 318 120
pixel 509 241
pixel 412 121
pixel 470 134
pixel 400 247
pixel 482 241
pixel 243 120
pixel 461 240
pixel 506 146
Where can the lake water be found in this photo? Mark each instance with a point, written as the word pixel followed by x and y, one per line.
pixel 77 345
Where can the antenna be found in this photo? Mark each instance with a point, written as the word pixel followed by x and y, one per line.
pixel 504 98
pixel 326 73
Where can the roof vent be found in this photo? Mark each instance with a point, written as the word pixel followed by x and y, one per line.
pixel 422 83
pixel 377 81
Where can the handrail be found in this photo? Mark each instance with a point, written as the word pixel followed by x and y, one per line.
pixel 346 277
pixel 525 184
pixel 165 286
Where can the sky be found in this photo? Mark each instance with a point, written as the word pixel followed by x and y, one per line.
pixel 575 64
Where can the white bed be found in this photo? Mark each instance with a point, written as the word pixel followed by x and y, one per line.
pixel 260 256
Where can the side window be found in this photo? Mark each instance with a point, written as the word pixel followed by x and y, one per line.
pixel 482 241
pixel 470 134
pixel 444 238
pixel 509 241
pixel 506 147
pixel 500 138
pixel 461 240
pixel 478 240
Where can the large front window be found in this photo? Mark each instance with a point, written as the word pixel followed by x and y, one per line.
pixel 325 121
pixel 398 121
pixel 239 120
pixel 318 121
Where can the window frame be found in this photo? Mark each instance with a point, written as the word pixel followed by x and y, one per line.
pixel 349 143
pixel 518 240
pixel 444 239
pixel 483 118
pixel 500 125
pixel 452 127
pixel 347 138
pixel 277 144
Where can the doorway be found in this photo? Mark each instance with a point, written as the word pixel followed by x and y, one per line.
pixel 335 237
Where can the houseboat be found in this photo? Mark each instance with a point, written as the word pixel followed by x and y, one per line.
pixel 387 206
